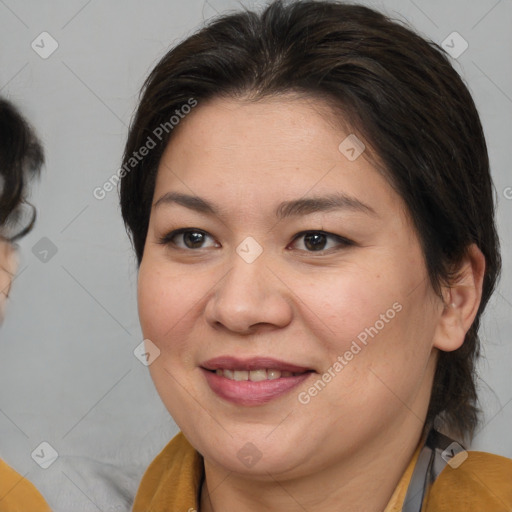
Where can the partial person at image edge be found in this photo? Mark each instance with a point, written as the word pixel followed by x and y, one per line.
pixel 21 157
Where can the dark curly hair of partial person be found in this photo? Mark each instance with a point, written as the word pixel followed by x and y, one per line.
pixel 21 158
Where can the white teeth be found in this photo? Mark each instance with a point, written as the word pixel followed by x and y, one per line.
pixel 253 375
pixel 257 375
pixel 273 374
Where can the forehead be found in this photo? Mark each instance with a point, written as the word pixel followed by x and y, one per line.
pixel 267 127
pixel 269 150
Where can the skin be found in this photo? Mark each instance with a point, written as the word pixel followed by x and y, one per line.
pixel 8 265
pixel 348 447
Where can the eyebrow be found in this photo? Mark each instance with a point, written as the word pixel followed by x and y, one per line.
pixel 296 207
pixel 191 202
pixel 306 206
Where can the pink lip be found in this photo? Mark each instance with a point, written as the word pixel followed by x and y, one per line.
pixel 250 393
pixel 253 363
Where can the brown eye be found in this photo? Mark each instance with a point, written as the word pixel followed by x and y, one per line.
pixel 319 241
pixel 315 241
pixel 193 239
pixel 189 239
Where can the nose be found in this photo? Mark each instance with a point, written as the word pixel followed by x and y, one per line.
pixel 249 298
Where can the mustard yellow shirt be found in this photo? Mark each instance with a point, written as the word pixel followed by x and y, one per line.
pixel 17 494
pixel 482 483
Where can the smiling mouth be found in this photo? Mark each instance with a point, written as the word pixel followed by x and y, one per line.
pixel 257 375
pixel 253 387
pixel 252 381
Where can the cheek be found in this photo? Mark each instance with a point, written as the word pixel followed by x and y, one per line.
pixel 376 316
pixel 165 302
pixel 340 304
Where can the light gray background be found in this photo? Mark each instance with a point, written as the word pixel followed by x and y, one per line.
pixel 68 375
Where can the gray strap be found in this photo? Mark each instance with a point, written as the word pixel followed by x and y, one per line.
pixel 431 461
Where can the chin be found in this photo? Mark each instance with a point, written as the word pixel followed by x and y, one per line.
pixel 253 454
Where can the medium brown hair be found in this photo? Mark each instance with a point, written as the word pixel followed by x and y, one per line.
pixel 397 91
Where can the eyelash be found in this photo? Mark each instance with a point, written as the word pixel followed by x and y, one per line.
pixel 341 241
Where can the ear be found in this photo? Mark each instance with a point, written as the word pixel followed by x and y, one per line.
pixel 461 302
pixel 8 267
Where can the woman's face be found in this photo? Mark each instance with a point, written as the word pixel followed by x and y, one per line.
pixel 271 249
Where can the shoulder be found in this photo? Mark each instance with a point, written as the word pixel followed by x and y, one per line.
pixel 473 481
pixel 178 452
pixel 172 478
pixel 17 494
